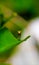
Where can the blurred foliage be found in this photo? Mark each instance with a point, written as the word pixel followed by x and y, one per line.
pixel 18 5
pixel 7 42
pixel 23 6
pixel 11 20
pixel 4 64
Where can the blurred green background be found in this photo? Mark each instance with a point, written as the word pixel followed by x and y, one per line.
pixel 23 7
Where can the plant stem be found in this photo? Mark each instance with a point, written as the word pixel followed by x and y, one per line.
pixel 24 40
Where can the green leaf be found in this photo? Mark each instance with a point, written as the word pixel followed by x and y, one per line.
pixel 7 42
